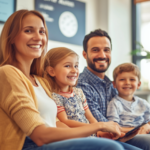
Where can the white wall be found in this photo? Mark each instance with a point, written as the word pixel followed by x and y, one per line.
pixel 91 24
pixel 120 31
pixel 113 16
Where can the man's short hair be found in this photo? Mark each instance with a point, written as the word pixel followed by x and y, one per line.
pixel 97 32
pixel 126 67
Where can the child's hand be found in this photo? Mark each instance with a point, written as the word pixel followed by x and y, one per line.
pixel 104 134
pixel 144 129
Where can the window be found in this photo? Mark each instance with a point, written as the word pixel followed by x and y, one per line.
pixel 141 33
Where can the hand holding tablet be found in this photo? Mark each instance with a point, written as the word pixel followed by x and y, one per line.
pixel 132 131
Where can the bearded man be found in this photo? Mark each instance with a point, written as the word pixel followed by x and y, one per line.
pixel 97 87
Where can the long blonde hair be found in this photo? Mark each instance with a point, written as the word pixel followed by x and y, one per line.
pixel 10 30
pixel 52 58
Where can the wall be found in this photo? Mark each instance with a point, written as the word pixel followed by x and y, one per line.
pixel 91 24
pixel 114 16
pixel 120 31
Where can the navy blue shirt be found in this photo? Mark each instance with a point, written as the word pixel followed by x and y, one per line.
pixel 98 93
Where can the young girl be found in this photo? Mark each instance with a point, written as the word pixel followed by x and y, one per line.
pixel 61 70
pixel 62 75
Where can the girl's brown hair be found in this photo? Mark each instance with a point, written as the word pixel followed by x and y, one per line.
pixel 52 58
pixel 10 30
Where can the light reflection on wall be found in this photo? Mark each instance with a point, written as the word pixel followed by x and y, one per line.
pixel 145 40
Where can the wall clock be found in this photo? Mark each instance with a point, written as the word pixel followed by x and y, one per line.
pixel 68 24
pixel 65 22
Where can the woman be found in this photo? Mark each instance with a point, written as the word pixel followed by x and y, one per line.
pixel 23 123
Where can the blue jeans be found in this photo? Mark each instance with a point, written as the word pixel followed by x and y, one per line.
pixel 142 141
pixel 80 144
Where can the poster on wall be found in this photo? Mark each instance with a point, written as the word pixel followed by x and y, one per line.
pixel 7 7
pixel 65 19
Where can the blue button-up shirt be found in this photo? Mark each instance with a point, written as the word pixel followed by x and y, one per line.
pixel 98 93
pixel 128 113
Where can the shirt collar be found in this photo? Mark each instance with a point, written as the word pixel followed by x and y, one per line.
pixel 96 79
pixel 125 102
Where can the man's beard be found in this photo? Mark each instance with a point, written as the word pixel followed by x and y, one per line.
pixel 93 67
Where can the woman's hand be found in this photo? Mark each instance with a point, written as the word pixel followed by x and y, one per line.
pixel 104 134
pixel 111 127
pixel 108 134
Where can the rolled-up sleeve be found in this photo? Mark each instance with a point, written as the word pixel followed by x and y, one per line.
pixel 92 100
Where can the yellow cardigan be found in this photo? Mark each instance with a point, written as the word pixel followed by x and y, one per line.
pixel 18 107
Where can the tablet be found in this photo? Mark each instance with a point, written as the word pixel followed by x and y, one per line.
pixel 133 130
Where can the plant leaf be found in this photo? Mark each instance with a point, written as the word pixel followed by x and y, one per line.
pixel 148 52
pixel 148 56
pixel 136 51
pixel 139 44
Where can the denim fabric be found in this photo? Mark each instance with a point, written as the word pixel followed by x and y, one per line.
pixel 98 93
pixel 80 144
pixel 141 140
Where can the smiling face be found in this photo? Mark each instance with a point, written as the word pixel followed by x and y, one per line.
pixel 66 72
pixel 98 55
pixel 31 40
pixel 127 83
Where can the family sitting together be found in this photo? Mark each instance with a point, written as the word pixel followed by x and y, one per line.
pixel 46 105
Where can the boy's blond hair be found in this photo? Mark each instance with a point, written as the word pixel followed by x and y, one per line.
pixel 126 67
pixel 52 58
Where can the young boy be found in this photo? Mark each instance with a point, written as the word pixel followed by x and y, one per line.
pixel 125 108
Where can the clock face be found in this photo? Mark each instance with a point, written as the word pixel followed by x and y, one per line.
pixel 68 24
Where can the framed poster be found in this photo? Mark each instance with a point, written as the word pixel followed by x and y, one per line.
pixel 65 19
pixel 7 7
